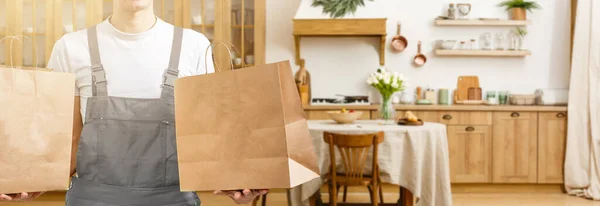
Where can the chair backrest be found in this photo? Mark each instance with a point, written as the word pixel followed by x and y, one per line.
pixel 353 150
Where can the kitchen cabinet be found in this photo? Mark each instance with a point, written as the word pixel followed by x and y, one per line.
pixel 470 149
pixel 515 147
pixel 464 118
pixel 552 128
pixel 240 23
pixel 428 116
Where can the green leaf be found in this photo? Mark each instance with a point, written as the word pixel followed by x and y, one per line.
pixel 338 8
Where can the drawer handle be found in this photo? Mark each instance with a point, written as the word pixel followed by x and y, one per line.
pixel 470 129
pixel 560 115
pixel 515 114
pixel 447 117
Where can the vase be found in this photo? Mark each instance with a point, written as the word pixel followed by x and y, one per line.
pixel 518 14
pixel 387 113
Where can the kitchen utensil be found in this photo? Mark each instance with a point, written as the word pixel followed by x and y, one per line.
pixel 354 98
pixel 303 82
pixel 522 99
pixel 419 93
pixel 448 44
pixel 68 28
pixel 408 97
pixel 430 95
pixel 250 59
pixel 463 10
pixel 474 93
pixel 492 101
pixel 399 42
pixel 344 118
pixel 405 122
pixel 443 96
pixel 502 97
pixel 197 20
pixel 490 94
pixel 237 61
pixel 463 85
pixel 424 102
pixel 420 59
pixel 559 97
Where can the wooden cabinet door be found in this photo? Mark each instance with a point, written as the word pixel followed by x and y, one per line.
pixel 514 147
pixel 552 137
pixel 428 116
pixel 470 149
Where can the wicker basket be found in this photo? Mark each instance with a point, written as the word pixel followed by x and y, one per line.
pixel 522 99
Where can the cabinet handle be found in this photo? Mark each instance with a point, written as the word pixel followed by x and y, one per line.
pixel 447 117
pixel 515 114
pixel 470 129
pixel 560 115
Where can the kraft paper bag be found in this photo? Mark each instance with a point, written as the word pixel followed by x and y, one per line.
pixel 36 123
pixel 243 129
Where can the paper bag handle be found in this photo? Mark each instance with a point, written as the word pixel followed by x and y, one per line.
pixel 229 52
pixel 12 66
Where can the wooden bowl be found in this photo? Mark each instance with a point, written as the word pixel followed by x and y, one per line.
pixel 344 118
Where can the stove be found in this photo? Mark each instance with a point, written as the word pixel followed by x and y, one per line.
pixel 331 101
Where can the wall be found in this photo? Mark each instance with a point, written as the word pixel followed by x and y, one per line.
pixel 341 65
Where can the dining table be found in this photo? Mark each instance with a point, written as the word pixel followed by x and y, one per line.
pixel 415 158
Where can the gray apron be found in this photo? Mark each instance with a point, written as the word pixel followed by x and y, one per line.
pixel 127 151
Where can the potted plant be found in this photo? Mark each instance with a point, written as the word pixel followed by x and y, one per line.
pixel 387 83
pixel 517 8
pixel 338 8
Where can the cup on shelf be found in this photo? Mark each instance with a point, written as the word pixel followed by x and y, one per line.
pixel 197 20
pixel 68 28
pixel 250 59
pixel 237 61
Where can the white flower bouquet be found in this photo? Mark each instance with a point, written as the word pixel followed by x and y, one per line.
pixel 387 83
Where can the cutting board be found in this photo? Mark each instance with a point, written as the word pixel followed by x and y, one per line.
pixel 463 85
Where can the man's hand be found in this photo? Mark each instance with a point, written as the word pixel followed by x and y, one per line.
pixel 242 197
pixel 24 196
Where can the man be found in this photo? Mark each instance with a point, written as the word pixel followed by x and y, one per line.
pixel 125 67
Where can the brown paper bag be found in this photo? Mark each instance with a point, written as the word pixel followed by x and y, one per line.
pixel 36 123
pixel 242 129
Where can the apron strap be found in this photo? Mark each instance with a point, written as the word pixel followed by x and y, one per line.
pixel 98 75
pixel 172 72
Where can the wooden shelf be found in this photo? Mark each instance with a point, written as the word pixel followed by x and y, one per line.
pixel 483 53
pixel 477 22
pixel 341 28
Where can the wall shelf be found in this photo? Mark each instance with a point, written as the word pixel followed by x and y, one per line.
pixel 477 22
pixel 482 53
pixel 341 28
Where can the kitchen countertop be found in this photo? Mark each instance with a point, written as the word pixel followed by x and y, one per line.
pixel 519 108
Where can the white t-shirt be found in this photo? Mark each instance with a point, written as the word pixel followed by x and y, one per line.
pixel 134 63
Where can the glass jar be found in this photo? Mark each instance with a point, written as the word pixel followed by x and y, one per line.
pixel 486 41
pixel 513 40
pixel 499 41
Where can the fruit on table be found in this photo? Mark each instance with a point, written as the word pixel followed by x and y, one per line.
pixel 344 110
pixel 411 117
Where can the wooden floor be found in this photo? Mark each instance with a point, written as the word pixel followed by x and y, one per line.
pixel 459 199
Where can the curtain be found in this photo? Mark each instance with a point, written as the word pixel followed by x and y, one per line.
pixel 582 158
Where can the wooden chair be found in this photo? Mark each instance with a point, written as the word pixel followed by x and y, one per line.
pixel 263 198
pixel 353 150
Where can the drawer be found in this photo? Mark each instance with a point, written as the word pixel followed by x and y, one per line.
pixel 465 118
pixel 428 116
pixel 322 114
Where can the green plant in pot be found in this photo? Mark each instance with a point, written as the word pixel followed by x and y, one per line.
pixel 518 8
pixel 338 8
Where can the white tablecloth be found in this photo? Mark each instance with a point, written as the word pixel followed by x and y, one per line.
pixel 414 157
